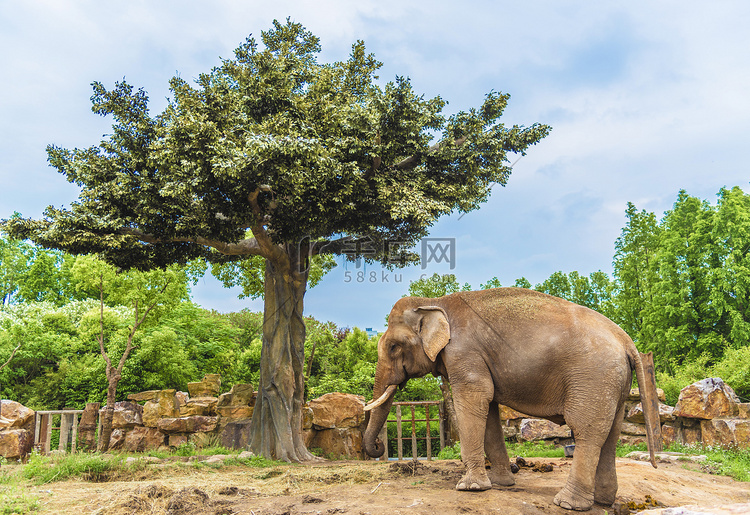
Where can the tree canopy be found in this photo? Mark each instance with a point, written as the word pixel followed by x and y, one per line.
pixel 276 155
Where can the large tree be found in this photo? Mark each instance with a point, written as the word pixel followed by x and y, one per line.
pixel 273 154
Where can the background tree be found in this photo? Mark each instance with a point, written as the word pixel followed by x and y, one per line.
pixel 148 293
pixel 311 158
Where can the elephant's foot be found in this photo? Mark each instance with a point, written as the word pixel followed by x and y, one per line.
pixel 501 477
pixel 570 500
pixel 474 480
pixel 605 491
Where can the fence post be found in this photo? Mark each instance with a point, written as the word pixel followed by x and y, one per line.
pixel 441 414
pixel 398 433
pixel 429 436
pixel 413 434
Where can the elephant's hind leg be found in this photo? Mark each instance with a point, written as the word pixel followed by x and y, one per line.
pixel 494 445
pixel 605 489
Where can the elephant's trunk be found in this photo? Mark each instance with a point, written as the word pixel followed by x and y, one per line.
pixel 378 415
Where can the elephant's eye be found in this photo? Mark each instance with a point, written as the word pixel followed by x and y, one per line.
pixel 393 347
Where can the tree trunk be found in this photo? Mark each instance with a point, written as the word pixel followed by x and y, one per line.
pixel 276 428
pixel 113 378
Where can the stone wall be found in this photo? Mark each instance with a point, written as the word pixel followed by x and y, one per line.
pixel 708 412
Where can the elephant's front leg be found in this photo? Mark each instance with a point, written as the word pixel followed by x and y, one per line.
pixel 471 410
pixel 494 444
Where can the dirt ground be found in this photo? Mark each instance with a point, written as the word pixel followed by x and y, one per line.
pixel 376 488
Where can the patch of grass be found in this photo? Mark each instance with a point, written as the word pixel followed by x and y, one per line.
pixel 14 498
pixel 724 461
pixel 92 467
pixel 539 449
pixel 625 449
pixel 450 453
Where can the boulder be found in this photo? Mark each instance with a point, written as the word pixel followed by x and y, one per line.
pixel 182 398
pixel 151 414
pixel 236 435
pixel 229 413
pixel 307 417
pixel 149 395
pixel 668 435
pixel 117 439
pixel 743 410
pixel 635 414
pixel 14 415
pixel 726 432
pixel 337 410
pixel 707 399
pixel 210 386
pixel 507 413
pixel 167 401
pixel 199 406
pixel 201 424
pixel 140 439
pixel 178 439
pixel 15 443
pixel 174 425
pixel 541 429
pixel 339 442
pixel 127 414
pixel 628 428
pixel 239 395
pixel 635 395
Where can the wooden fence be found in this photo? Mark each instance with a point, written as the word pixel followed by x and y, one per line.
pixel 68 430
pixel 400 420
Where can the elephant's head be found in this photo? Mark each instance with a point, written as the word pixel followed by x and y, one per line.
pixel 417 332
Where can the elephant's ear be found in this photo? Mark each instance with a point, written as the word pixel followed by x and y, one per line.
pixel 434 329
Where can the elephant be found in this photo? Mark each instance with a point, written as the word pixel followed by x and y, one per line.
pixel 538 354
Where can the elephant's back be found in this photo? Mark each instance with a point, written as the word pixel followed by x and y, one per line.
pixel 514 304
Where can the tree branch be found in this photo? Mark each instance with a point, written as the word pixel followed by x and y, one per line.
pixel 247 246
pixel 11 355
pixel 412 161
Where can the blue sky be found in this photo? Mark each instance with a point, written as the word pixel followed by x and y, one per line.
pixel 645 99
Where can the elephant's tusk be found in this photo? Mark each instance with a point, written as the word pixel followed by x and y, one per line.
pixel 380 400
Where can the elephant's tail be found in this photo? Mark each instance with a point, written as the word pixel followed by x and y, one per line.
pixel 644 373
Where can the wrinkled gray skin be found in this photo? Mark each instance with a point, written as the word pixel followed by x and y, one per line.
pixel 538 354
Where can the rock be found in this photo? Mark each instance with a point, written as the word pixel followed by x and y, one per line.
pixel 173 425
pixel 87 426
pixel 541 429
pixel 632 439
pixel 149 395
pixel 182 398
pixel 726 432
pixel 743 410
pixel 668 435
pixel 178 439
pixel 199 406
pixel 307 417
pixel 628 428
pixel 229 413
pixel 337 410
pixel 635 395
pixel 201 424
pixel 707 399
pixel 89 416
pixel 236 435
pixel 117 439
pixel 339 442
pixel 635 415
pixel 239 395
pixel 15 443
pixel 127 414
pixel 140 439
pixel 167 401
pixel 14 415
pixel 200 440
pixel 209 387
pixel 151 414
pixel 510 428
pixel 507 413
